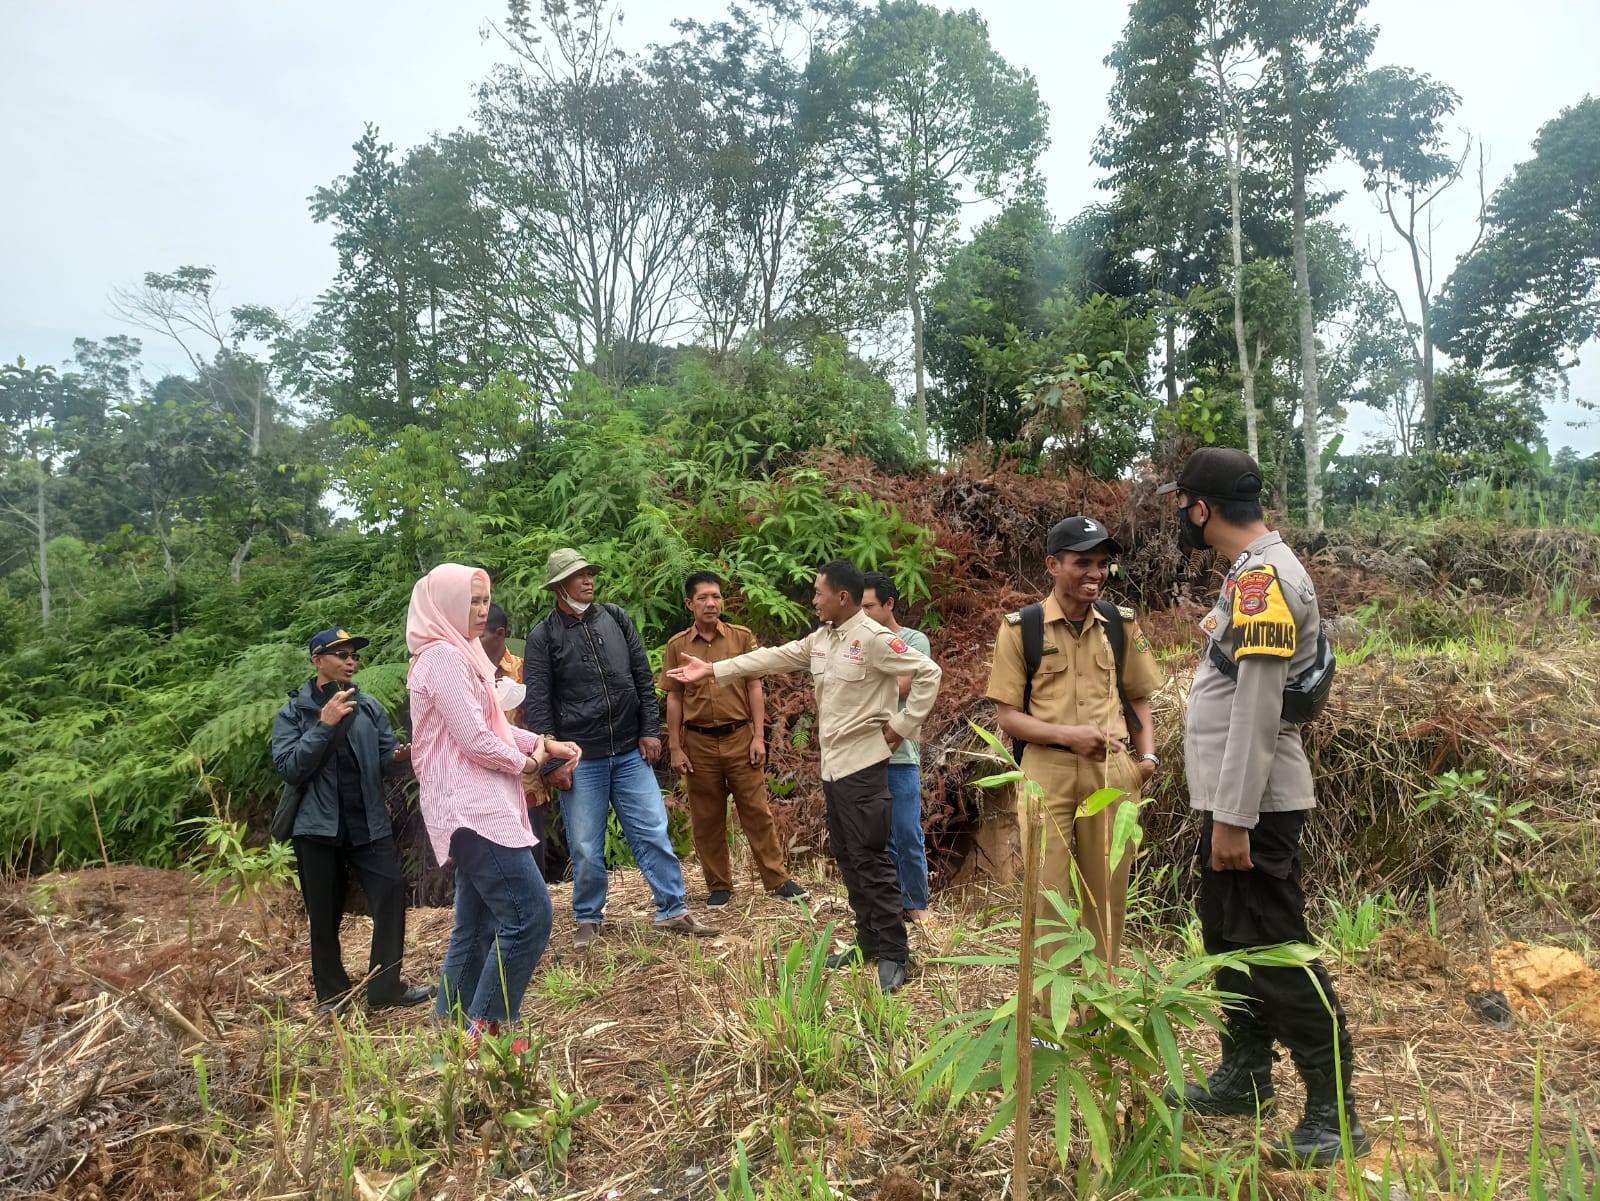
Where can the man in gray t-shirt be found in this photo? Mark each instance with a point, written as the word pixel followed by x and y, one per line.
pixel 906 847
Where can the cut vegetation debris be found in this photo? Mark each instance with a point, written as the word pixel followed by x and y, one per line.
pixel 157 1047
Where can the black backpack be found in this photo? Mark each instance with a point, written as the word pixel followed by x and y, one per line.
pixel 1032 622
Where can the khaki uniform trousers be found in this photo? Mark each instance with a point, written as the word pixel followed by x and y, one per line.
pixel 1101 892
pixel 722 768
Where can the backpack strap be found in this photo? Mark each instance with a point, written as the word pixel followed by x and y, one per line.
pixel 1116 634
pixel 1032 648
pixel 1031 622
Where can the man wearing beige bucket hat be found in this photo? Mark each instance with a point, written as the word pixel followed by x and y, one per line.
pixel 588 681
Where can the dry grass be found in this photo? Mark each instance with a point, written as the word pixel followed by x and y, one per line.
pixel 108 998
pixel 113 981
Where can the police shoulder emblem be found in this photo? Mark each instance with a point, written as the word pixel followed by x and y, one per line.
pixel 1262 622
pixel 898 645
pixel 1014 619
pixel 1250 591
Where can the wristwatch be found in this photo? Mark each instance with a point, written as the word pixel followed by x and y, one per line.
pixel 1150 758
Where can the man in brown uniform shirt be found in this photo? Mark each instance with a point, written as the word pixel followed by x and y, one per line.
pixel 1073 722
pixel 715 737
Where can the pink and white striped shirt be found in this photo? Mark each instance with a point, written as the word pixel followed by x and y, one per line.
pixel 468 776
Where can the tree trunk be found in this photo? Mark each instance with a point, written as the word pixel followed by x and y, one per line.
pixel 1309 434
pixel 402 344
pixel 260 417
pixel 44 552
pixel 1247 369
pixel 1172 360
pixel 916 344
pixel 239 557
pixel 1430 433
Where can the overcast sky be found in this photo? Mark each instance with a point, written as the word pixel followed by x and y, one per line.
pixel 139 137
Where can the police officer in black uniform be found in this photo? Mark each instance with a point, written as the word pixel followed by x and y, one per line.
pixel 1249 775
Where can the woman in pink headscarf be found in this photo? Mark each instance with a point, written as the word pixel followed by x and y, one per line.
pixel 470 762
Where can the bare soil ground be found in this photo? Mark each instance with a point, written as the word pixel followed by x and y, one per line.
pixel 112 982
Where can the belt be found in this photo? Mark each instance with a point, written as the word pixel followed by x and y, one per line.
pixel 721 731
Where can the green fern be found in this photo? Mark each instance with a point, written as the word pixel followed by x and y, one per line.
pixel 243 725
pixel 386 682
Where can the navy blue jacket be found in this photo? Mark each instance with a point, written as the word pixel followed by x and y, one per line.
pixel 300 741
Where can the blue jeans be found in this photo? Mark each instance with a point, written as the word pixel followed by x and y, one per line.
pixel 906 848
pixel 624 783
pixel 501 905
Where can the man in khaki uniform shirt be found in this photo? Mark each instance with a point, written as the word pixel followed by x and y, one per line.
pixel 716 741
pixel 1077 732
pixel 855 667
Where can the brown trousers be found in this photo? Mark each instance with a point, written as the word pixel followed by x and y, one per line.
pixel 722 768
pixel 1086 844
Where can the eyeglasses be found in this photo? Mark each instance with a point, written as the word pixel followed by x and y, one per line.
pixel 347 656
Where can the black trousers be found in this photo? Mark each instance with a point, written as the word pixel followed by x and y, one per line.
pixel 324 875
pixel 860 814
pixel 1260 907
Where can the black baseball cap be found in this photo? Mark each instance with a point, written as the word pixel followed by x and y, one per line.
pixel 326 640
pixel 1079 533
pixel 1217 472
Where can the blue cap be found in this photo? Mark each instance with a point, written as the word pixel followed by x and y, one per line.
pixel 325 641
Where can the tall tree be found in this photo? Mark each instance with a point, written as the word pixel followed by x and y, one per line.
pixel 183 306
pixel 486 302
pixel 1476 417
pixel 607 162
pixel 994 289
pixel 921 116
pixel 1231 105
pixel 30 400
pixel 1528 297
pixel 234 354
pixel 170 452
pixel 1159 151
pixel 1391 126
pixel 749 71
pixel 1376 365
pixel 108 368
pixel 363 349
pixel 1311 52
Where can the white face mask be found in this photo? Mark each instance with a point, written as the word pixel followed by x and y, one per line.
pixel 579 608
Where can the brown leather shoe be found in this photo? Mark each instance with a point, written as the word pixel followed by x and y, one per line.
pixel 583 938
pixel 686 924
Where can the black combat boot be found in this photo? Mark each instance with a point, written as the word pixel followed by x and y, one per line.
pixel 1316 1141
pixel 1242 1083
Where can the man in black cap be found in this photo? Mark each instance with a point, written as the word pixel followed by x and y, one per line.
pixel 1082 706
pixel 335 742
pixel 1249 776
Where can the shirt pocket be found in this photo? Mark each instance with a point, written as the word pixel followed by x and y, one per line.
pixel 1104 658
pixel 1052 684
pixel 846 672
